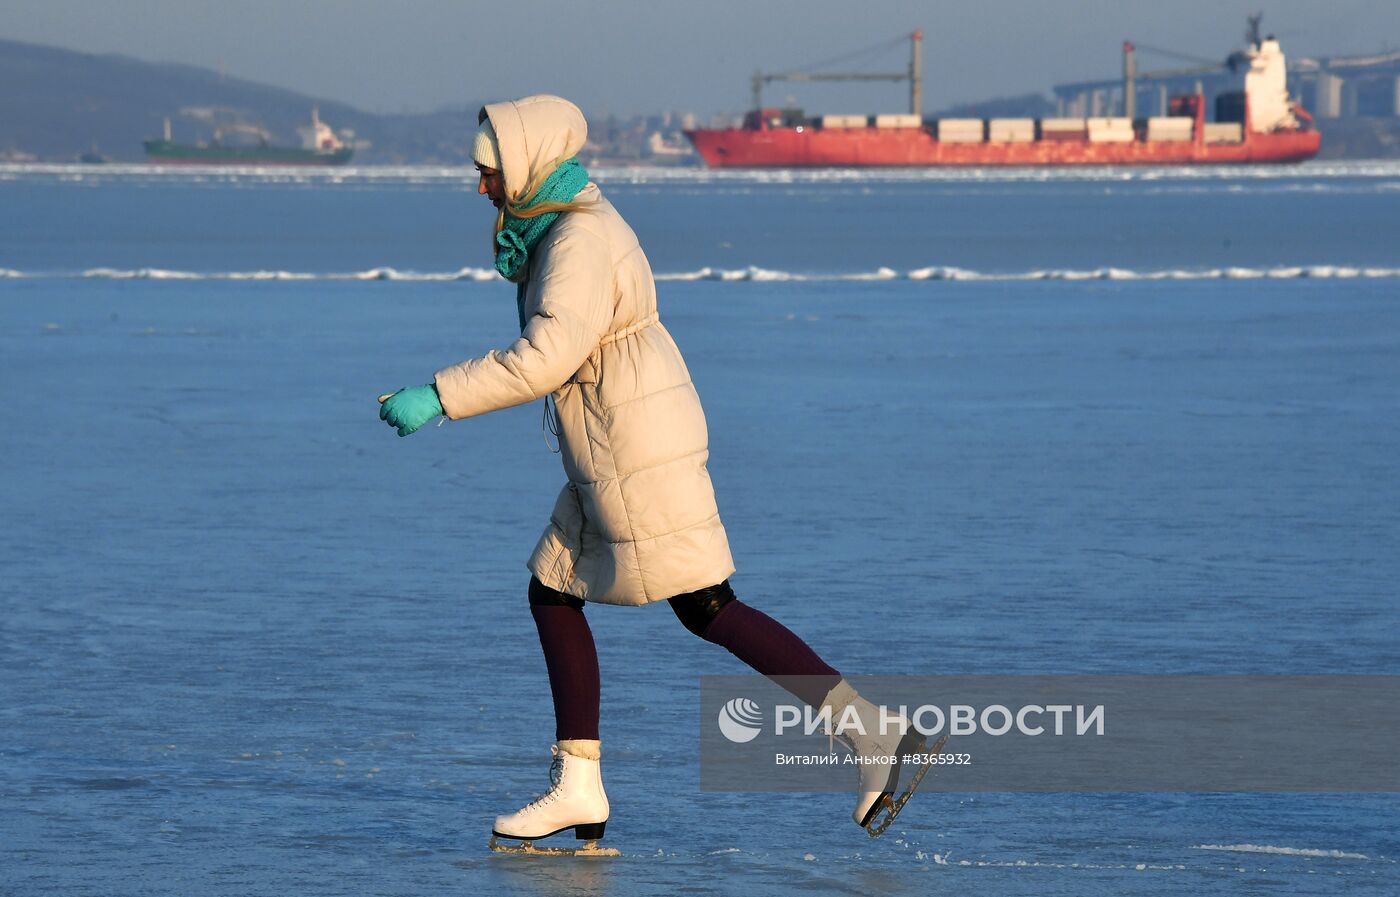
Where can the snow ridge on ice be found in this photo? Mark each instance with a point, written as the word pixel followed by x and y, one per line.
pixel 754 274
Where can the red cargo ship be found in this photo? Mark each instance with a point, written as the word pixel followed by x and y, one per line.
pixel 1259 124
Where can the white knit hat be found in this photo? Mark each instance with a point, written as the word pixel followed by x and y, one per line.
pixel 486 150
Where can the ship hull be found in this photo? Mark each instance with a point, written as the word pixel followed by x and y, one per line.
pixel 899 147
pixel 163 152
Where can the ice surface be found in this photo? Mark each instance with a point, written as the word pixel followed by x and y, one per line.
pixel 252 642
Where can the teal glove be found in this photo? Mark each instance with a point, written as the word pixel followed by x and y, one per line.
pixel 408 409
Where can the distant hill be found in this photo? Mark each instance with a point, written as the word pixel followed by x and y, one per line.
pixel 56 104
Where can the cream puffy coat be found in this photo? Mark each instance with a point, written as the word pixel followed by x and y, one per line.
pixel 637 521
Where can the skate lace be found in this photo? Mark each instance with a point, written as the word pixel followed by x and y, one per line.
pixel 556 775
pixel 833 736
pixel 844 738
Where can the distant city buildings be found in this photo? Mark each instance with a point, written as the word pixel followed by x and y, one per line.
pixel 657 139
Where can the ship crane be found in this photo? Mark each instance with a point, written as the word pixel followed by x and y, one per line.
pixel 1131 75
pixel 914 75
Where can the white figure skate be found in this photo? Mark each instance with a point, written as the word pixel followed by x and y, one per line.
pixel 575 800
pixel 879 756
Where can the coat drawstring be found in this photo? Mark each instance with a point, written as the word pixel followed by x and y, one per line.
pixel 550 425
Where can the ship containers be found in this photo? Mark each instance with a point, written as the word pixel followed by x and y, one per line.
pixel 1063 129
pixel 1110 130
pixel 1224 132
pixel 1229 107
pixel 898 121
pixel 960 130
pixel 1011 130
pixel 845 121
pixel 1170 128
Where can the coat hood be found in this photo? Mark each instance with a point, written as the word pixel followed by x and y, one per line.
pixel 535 134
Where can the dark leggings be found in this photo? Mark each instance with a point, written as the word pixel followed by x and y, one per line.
pixel 712 613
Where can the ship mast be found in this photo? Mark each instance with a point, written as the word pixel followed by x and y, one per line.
pixel 1129 79
pixel 914 75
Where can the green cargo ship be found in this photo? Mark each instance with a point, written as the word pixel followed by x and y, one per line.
pixel 319 146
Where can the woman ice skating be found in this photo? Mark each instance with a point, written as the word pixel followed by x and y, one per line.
pixel 637 522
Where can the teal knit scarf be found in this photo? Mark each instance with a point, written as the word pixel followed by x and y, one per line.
pixel 519 237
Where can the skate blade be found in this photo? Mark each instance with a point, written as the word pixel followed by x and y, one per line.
pixel 891 806
pixel 528 848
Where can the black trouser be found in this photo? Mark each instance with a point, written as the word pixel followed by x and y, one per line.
pixel 713 613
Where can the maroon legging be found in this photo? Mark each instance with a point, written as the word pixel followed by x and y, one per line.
pixel 714 614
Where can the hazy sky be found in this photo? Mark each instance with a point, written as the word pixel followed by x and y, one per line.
pixel 629 56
